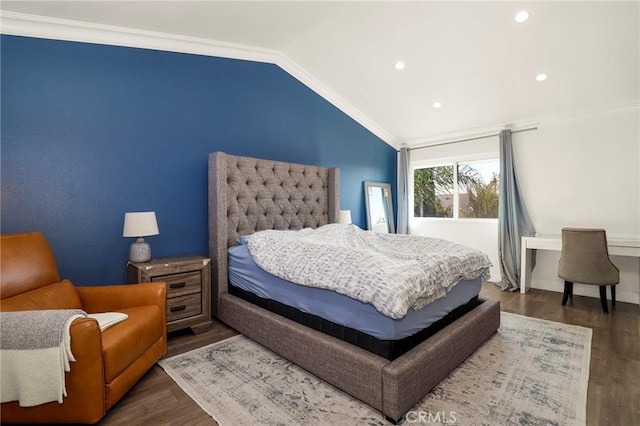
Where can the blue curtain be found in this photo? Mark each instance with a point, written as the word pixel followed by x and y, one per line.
pixel 403 191
pixel 513 221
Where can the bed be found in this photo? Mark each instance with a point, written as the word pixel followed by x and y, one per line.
pixel 338 314
pixel 248 195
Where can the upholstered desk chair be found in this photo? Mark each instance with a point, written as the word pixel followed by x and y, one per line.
pixel 585 260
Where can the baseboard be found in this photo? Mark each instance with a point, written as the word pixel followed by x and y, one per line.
pixel 586 290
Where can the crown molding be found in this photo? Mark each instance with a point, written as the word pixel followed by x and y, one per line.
pixel 317 86
pixel 21 24
pixel 540 122
pixel 601 111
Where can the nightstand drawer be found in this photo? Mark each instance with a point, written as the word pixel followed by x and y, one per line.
pixel 188 281
pixel 182 284
pixel 184 306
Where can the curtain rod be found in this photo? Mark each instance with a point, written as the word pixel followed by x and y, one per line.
pixel 472 138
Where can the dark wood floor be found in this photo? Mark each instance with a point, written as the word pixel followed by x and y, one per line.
pixel 614 382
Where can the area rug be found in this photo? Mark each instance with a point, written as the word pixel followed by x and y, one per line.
pixel 531 372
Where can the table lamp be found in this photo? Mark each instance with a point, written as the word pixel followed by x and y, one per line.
pixel 140 224
pixel 345 217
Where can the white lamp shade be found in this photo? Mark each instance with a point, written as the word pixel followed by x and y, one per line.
pixel 140 224
pixel 345 217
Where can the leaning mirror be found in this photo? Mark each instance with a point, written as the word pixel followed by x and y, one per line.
pixel 377 198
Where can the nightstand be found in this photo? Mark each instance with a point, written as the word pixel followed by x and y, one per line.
pixel 188 281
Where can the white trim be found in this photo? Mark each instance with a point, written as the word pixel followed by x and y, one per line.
pixel 418 219
pixel 601 111
pixel 436 162
pixel 21 24
pixel 550 120
pixel 453 160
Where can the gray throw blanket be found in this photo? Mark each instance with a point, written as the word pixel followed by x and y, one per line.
pixel 35 350
pixel 394 273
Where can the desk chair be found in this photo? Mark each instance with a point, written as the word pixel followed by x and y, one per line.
pixel 585 260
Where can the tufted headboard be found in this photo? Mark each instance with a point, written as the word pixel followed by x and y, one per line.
pixel 248 195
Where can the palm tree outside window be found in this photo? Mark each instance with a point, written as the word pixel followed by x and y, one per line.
pixel 461 190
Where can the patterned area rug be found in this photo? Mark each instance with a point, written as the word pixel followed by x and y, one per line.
pixel 531 372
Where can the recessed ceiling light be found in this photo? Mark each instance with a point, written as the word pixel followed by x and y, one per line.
pixel 437 104
pixel 541 77
pixel 522 16
pixel 399 65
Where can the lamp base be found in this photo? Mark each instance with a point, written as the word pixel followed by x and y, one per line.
pixel 140 251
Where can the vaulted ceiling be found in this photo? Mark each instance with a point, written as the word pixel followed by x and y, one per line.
pixel 471 57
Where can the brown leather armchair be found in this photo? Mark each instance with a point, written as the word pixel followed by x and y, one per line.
pixel 108 363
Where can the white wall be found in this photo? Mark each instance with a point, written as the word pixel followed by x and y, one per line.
pixel 481 234
pixel 583 172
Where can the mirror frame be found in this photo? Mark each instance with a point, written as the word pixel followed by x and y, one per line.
pixel 388 205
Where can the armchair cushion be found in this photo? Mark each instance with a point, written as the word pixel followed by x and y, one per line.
pixel 60 295
pixel 125 342
pixel 112 298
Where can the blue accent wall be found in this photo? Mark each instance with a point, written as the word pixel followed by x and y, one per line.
pixel 90 132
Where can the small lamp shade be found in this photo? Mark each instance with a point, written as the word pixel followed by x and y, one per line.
pixel 140 224
pixel 345 217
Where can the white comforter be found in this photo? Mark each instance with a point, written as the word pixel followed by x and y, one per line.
pixel 394 273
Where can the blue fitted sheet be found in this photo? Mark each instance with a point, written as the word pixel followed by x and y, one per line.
pixel 341 309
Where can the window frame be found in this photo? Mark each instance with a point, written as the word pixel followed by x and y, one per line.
pixel 454 162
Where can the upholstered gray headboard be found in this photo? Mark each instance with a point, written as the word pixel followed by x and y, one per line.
pixel 248 195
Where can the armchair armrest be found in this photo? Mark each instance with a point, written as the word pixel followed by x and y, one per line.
pixel 85 384
pixel 114 297
pixel 86 379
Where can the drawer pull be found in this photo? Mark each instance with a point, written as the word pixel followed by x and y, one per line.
pixel 177 285
pixel 178 308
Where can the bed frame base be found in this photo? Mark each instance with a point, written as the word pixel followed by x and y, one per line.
pixel 392 387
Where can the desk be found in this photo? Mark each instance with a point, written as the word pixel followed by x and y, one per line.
pixel 617 247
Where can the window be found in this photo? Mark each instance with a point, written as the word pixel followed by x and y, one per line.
pixel 433 190
pixel 461 190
